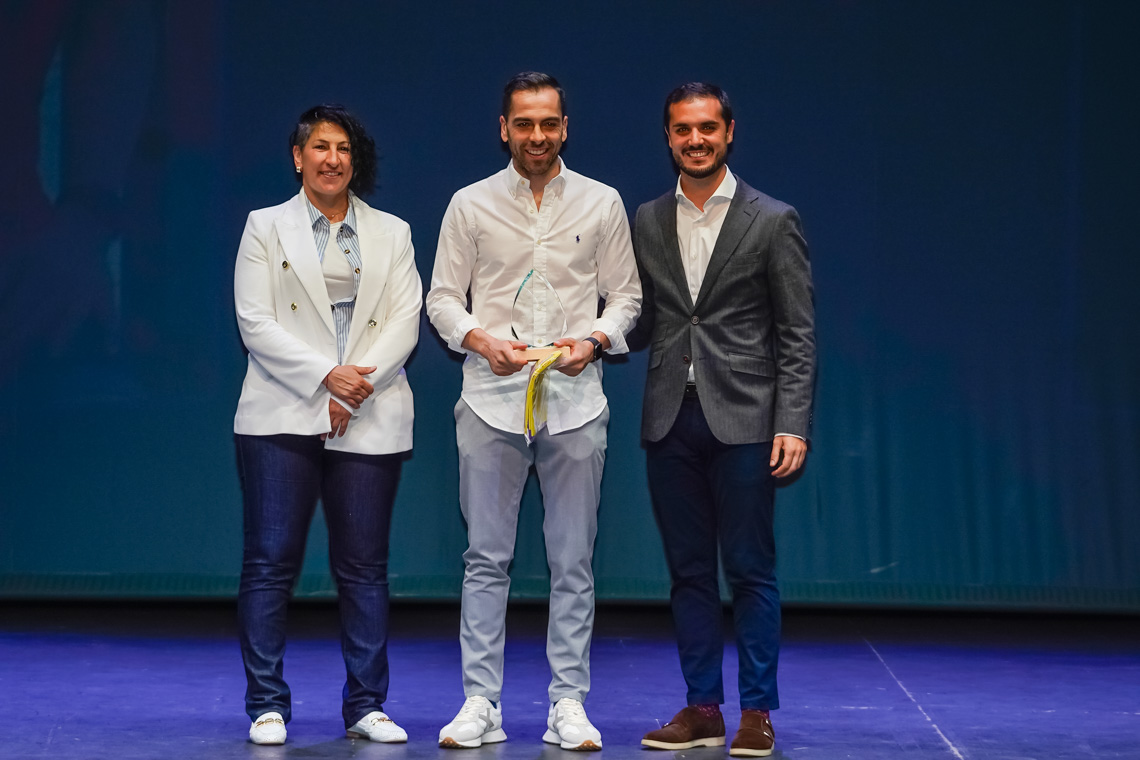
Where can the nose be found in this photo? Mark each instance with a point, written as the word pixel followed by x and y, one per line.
pixel 536 134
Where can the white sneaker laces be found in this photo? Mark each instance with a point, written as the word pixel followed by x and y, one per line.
pixel 572 711
pixel 473 708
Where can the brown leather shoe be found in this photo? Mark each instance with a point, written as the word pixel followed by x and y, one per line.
pixel 687 729
pixel 755 737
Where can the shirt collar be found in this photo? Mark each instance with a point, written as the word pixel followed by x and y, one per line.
pixel 316 217
pixel 515 181
pixel 726 189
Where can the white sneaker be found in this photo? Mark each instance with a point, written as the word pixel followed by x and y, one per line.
pixel 478 722
pixel 568 726
pixel 377 727
pixel 269 728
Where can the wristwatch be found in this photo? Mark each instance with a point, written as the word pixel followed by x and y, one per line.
pixel 597 347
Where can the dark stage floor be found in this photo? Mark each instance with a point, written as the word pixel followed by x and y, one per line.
pixel 165 681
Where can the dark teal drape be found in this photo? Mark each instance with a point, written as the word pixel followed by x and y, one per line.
pixel 967 177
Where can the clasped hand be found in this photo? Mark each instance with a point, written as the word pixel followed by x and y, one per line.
pixel 338 420
pixel 346 381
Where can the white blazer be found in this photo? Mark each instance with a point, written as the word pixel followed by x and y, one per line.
pixel 286 323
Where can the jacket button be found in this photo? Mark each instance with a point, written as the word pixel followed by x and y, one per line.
pixel 293 306
pixel 686 359
pixel 284 264
pixel 372 323
pixel 696 319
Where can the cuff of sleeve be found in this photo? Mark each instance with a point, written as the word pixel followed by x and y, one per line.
pixel 611 331
pixel 466 325
pixel 351 411
pixel 792 435
pixel 321 380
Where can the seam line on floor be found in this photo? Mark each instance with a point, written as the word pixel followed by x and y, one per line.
pixel 910 696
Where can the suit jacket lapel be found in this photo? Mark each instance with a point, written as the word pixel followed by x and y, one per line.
pixel 296 236
pixel 667 223
pixel 374 262
pixel 741 214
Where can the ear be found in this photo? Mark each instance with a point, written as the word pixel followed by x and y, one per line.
pixel 565 121
pixel 296 156
pixel 731 124
pixel 503 128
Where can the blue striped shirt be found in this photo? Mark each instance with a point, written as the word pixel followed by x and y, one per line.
pixel 348 241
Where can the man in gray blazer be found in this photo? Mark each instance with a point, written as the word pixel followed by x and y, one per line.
pixel 728 396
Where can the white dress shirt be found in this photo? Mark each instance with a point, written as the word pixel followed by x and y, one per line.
pixel 492 235
pixel 697 232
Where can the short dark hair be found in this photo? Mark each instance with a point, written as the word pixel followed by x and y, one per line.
pixel 362 146
pixel 532 81
pixel 694 90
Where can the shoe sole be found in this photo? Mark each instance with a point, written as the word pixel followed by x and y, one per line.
pixel 269 742
pixel 713 741
pixel 491 737
pixel 552 737
pixel 741 752
pixel 358 735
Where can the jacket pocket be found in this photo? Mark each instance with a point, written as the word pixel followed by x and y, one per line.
pixel 745 259
pixel 751 365
pixel 656 354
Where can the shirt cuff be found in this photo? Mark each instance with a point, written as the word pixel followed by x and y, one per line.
pixel 793 435
pixel 611 331
pixel 466 325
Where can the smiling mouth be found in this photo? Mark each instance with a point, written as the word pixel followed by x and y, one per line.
pixel 698 153
pixel 536 151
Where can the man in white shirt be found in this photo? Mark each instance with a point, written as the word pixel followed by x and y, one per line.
pixel 570 235
pixel 727 410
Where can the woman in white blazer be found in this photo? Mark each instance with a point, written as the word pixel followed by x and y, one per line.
pixel 328 303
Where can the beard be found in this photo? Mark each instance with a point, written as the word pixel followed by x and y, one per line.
pixel 536 165
pixel 707 171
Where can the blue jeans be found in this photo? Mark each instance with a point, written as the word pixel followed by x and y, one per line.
pixel 282 476
pixel 706 493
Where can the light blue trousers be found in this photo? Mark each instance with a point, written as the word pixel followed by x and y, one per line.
pixel 493 468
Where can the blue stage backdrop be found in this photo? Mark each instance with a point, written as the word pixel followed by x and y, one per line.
pixel 965 172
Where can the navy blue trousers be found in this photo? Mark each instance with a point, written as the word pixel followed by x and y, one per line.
pixel 282 477
pixel 707 494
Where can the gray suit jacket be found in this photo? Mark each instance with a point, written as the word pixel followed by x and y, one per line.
pixel 750 335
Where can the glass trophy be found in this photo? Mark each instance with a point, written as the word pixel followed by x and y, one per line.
pixel 537 317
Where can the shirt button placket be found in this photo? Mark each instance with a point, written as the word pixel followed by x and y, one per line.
pixel 541 312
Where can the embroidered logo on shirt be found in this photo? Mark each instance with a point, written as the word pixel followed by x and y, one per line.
pixel 577 239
